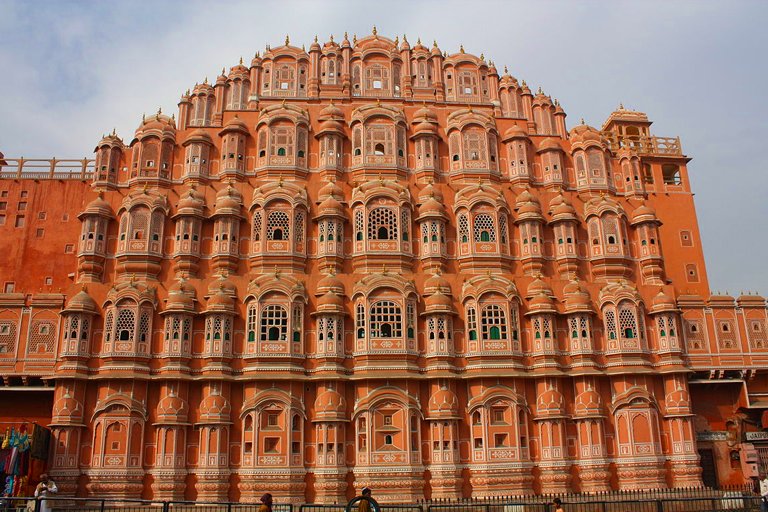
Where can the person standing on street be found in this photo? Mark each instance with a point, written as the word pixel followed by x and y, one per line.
pixel 44 489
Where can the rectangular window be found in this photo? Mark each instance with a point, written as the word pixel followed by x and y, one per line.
pixel 272 420
pixel 40 232
pixel 65 217
pixel 270 444
pixel 500 440
pixel 9 287
pixel 48 281
pixel 3 205
pixel 4 193
pixel 24 194
pixel 69 249
pixel 2 220
pixel 498 415
pixel 19 221
pixel 388 419
pixel 22 206
pixel 42 216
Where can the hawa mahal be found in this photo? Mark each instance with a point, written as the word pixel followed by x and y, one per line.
pixel 368 263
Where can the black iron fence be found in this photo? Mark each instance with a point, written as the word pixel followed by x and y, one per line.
pixel 736 499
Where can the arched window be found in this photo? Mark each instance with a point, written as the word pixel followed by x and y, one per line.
pixel 386 320
pixel 278 225
pixel 484 228
pixel 493 322
pixel 274 323
pixel 382 224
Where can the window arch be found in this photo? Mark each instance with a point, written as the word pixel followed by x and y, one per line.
pixel 493 322
pixel 382 224
pixel 385 319
pixel 278 225
pixel 274 323
pixel 484 228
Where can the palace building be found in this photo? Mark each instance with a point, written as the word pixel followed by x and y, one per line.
pixel 374 264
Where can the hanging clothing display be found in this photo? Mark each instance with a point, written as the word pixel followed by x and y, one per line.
pixel 17 449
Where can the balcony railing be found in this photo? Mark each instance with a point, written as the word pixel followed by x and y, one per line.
pixel 645 145
pixel 51 169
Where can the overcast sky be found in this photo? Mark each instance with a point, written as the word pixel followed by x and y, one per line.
pixel 72 71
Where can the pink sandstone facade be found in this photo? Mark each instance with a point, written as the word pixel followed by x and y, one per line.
pixel 371 264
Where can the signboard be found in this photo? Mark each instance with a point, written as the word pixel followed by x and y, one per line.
pixel 711 435
pixel 757 436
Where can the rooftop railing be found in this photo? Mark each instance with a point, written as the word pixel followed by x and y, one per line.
pixel 651 145
pixel 50 169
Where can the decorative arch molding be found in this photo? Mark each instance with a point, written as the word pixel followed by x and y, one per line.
pixel 371 283
pixel 477 287
pixel 365 113
pixel 268 397
pixel 288 191
pixel 473 195
pixel 494 394
pixel 132 406
pixel 282 284
pixel 366 192
pixel 285 112
pixel 387 394
pixel 633 396
pixel 463 118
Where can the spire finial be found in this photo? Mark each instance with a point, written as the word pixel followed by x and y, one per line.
pixel 506 71
pixel 315 37
pixel 397 41
pixel 405 38
pixel 374 31
pixel 434 43
pixel 331 37
pixel 345 35
pixel 482 56
pixel 287 40
pixel 159 110
pixel 621 106
pixel 241 60
pixel 223 71
pixel 354 38
pixel 582 121
pixel 461 48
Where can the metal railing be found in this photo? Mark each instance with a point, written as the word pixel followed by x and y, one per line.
pixel 741 499
pixel 47 169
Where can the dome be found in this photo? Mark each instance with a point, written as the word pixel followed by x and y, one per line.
pixel 330 303
pixel 528 211
pixel 424 127
pixel 67 410
pixel 172 408
pixel 330 206
pixel 438 302
pixel 330 405
pixel 429 191
pixel 663 302
pixel 431 207
pixel 550 403
pixel 588 404
pixel 541 303
pixel 576 297
pixel 443 404
pixel 549 144
pixel 198 135
pixel 81 302
pixel 435 283
pixel 180 298
pixel 330 126
pixel 97 207
pixel 583 133
pixel 515 132
pixel 234 125
pixel 643 214
pixel 678 401
pixel 159 122
pixel 331 112
pixel 561 209
pixel 330 189
pixel 425 114
pixel 330 283
pixel 190 203
pixel 228 198
pixel 537 286
pixel 214 407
